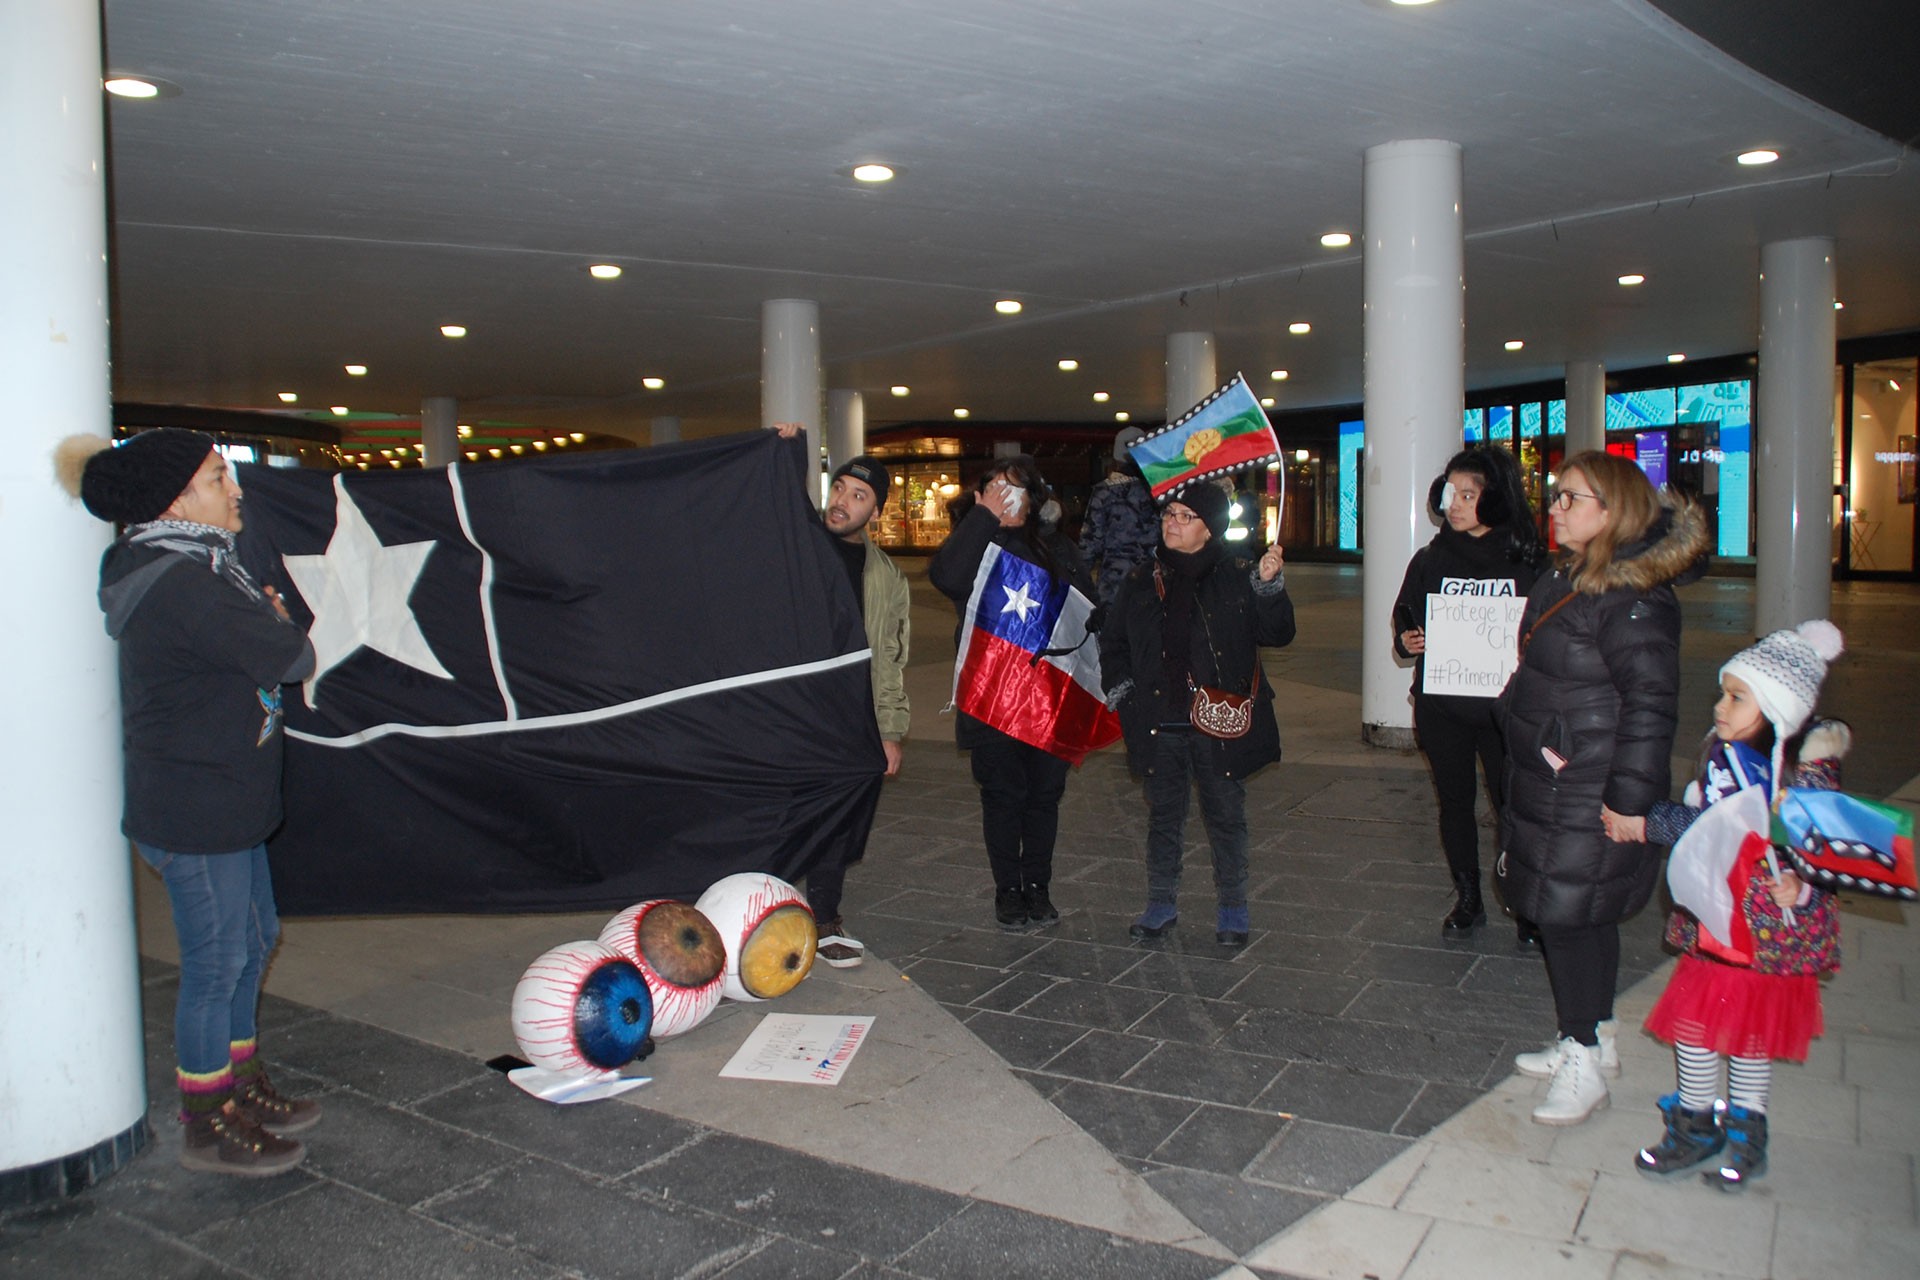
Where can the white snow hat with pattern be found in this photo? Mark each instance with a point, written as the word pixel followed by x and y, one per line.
pixel 1785 671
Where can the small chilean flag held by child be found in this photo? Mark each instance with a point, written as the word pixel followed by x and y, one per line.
pixel 1052 702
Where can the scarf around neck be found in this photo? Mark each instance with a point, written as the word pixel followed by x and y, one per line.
pixel 208 544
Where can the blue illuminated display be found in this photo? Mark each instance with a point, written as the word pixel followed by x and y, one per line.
pixel 1473 425
pixel 1638 410
pixel 1731 405
pixel 1353 439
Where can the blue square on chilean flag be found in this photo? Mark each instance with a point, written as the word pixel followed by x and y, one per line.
pixel 1020 603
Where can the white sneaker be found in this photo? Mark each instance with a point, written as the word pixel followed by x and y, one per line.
pixel 1577 1090
pixel 1541 1063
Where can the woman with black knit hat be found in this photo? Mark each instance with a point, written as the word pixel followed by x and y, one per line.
pixel 1488 545
pixel 203 651
pixel 1180 659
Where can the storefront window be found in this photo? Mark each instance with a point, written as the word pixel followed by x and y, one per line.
pixel 1879 488
pixel 915 517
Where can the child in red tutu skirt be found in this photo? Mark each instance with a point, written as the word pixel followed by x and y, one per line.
pixel 1753 996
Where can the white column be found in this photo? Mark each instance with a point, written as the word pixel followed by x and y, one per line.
pixel 846 426
pixel 1190 371
pixel 666 429
pixel 790 372
pixel 72 1074
pixel 439 430
pixel 1415 336
pixel 1586 406
pixel 1793 435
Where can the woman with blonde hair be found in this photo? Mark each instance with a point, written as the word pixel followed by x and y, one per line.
pixel 1589 719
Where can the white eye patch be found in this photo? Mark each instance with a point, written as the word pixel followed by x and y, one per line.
pixel 1446 496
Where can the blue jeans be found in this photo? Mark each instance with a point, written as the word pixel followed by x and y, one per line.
pixel 224 916
pixel 1181 761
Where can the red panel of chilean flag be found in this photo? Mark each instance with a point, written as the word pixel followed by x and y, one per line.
pixel 1016 611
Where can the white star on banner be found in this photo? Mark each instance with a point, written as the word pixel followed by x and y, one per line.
pixel 1019 601
pixel 358 594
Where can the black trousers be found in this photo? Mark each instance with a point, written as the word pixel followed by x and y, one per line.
pixel 1583 966
pixel 826 881
pixel 1020 790
pixel 1452 743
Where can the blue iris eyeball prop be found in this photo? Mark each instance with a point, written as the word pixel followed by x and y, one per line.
pixel 582 1007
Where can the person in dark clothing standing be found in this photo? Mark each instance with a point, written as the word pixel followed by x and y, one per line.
pixel 1488 545
pixel 1589 718
pixel 203 653
pixel 1195 616
pixel 1020 785
pixel 1122 526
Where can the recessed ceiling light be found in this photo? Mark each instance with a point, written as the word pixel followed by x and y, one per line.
pixel 463 431
pixel 561 441
pixel 493 453
pixel 132 87
pixel 1633 278
pixel 1758 156
pixel 1101 397
pixel 518 448
pixel 453 331
pixel 604 271
pixel 356 370
pixel 653 384
pixel 1008 306
pixel 872 173
pixel 1676 357
pixel 1839 306
pixel 361 465
pixel 1068 366
pixel 1122 416
pixel 1301 455
pixel 472 456
pixel 539 446
pixel 578 437
pixel 1299 326
pixel 288 397
pixel 386 453
pixel 1279 375
pixel 962 413
pixel 339 411
pixel 1514 344
pixel 1336 240
pixel 1266 402
pixel 900 390
pixel 1411 4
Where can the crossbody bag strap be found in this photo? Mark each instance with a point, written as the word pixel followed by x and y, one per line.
pixel 1541 621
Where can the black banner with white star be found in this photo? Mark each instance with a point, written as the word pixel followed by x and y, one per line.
pixel 563 683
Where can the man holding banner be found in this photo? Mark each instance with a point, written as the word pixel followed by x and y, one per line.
pixel 1026 678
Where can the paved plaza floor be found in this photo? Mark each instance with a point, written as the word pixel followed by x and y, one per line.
pixel 1334 1101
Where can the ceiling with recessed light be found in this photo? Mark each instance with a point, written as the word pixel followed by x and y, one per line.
pixel 334 183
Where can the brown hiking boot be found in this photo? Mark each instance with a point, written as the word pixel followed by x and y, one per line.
pixel 257 1100
pixel 228 1142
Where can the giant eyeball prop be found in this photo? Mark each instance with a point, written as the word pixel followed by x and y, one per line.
pixel 769 932
pixel 679 953
pixel 581 1007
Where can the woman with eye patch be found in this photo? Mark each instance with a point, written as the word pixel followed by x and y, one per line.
pixel 1488 545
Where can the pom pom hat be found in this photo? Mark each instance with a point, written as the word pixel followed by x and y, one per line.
pixel 1785 671
pixel 135 481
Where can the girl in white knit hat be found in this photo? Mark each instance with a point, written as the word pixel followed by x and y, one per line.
pixel 1737 1003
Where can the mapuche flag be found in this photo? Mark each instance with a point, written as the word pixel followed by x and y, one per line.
pixel 563 684
pixel 1225 432
pixel 1027 665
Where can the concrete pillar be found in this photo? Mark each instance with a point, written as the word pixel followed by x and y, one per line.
pixel 846 426
pixel 1586 406
pixel 73 1100
pixel 1190 371
pixel 666 429
pixel 1793 435
pixel 439 430
pixel 1415 338
pixel 790 373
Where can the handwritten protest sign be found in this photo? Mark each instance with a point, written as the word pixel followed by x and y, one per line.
pixel 1471 644
pixel 800 1048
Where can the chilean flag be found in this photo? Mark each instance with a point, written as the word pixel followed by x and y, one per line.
pixel 1053 702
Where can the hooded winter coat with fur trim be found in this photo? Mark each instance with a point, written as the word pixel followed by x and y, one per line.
pixel 1589 717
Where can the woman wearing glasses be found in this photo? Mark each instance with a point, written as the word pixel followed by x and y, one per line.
pixel 1185 628
pixel 1589 720
pixel 1488 545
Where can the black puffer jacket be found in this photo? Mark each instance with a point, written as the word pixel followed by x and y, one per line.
pixel 1241 614
pixel 1598 685
pixel 952 570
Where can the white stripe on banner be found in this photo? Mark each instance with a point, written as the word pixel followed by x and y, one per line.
pixel 486 592
pixel 488 728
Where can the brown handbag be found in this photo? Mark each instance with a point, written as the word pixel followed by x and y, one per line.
pixel 1217 712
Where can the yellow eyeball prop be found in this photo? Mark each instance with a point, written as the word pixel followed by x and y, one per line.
pixel 769 931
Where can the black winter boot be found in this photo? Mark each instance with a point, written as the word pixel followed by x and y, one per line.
pixel 1468 911
pixel 1692 1138
pixel 1040 908
pixel 1746 1157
